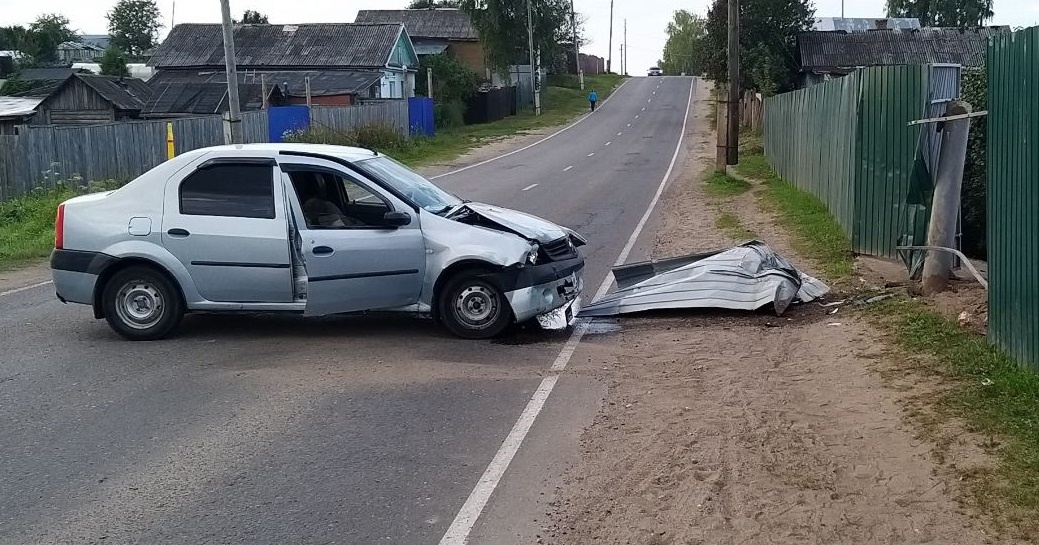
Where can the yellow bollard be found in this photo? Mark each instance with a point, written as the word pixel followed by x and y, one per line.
pixel 169 141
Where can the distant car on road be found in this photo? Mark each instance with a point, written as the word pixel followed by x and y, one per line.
pixel 307 229
pixel 655 71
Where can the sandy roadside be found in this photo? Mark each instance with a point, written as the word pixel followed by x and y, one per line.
pixel 747 428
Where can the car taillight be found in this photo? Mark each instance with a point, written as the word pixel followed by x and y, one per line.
pixel 59 228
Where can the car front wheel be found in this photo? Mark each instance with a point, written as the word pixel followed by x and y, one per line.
pixel 473 308
pixel 141 304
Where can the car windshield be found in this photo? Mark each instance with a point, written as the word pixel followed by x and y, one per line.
pixel 409 183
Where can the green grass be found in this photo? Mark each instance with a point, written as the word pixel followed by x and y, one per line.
pixel 720 185
pixel 559 105
pixel 983 386
pixel 732 226
pixel 817 235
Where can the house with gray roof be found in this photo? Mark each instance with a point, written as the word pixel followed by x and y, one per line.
pixel 344 62
pixel 828 54
pixel 86 99
pixel 436 31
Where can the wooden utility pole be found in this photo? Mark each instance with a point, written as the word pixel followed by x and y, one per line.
pixel 609 54
pixel 234 113
pixel 624 63
pixel 733 111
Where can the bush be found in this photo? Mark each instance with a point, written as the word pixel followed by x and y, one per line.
pixel 567 81
pixel 448 115
pixel 975 178
pixel 376 136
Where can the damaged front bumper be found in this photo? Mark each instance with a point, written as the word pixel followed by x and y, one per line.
pixel 535 291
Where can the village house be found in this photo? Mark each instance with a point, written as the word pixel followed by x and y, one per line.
pixel 83 99
pixel 830 54
pixel 338 63
pixel 437 31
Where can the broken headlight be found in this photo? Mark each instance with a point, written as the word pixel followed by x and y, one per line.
pixel 532 255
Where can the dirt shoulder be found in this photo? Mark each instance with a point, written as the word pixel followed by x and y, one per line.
pixel 747 428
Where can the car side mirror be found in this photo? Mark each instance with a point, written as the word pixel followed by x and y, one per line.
pixel 396 219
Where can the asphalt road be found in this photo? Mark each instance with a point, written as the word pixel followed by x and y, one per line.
pixel 265 429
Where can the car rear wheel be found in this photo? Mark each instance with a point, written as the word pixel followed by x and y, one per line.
pixel 141 304
pixel 473 308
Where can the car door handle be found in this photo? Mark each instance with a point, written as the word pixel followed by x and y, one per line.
pixel 322 250
pixel 178 232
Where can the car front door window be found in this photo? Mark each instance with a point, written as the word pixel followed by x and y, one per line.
pixel 333 201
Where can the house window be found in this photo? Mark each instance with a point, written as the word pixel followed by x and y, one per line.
pixel 240 191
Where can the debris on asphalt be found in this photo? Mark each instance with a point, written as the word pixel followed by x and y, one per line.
pixel 745 277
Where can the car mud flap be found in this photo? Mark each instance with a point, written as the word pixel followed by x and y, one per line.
pixel 746 277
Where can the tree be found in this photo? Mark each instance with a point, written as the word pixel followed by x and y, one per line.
pixel 134 26
pixel 44 35
pixel 768 42
pixel 453 84
pixel 943 13
pixel 113 63
pixel 684 49
pixel 502 25
pixel 427 4
pixel 251 17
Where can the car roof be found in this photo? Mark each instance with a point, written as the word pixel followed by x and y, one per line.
pixel 341 152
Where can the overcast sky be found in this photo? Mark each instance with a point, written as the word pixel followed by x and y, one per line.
pixel 647 19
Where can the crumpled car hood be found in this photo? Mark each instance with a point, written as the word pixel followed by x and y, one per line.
pixel 520 223
pixel 747 277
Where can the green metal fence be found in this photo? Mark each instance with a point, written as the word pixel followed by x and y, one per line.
pixel 1013 194
pixel 847 141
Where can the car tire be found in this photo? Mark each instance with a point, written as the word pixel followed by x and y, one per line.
pixel 141 304
pixel 473 308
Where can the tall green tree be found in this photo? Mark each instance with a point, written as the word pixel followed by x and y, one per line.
pixel 113 63
pixel 134 26
pixel 44 35
pixel 251 17
pixel 503 29
pixel 768 42
pixel 684 49
pixel 943 13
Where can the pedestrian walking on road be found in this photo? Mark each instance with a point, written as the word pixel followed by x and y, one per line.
pixel 593 98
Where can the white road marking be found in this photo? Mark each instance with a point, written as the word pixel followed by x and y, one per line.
pixel 458 532
pixel 629 124
pixel 620 133
pixel 524 148
pixel 643 108
pixel 25 288
pixel 608 143
pixel 636 116
pixel 591 154
pixel 568 168
pixel 529 187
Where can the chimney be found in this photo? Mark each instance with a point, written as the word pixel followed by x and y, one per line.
pixel 881 24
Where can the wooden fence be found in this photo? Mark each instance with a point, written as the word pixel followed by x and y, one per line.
pixel 752 111
pixel 43 156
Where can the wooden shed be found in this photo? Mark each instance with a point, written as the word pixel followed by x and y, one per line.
pixel 89 100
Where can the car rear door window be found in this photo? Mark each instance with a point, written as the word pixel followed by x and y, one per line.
pixel 241 191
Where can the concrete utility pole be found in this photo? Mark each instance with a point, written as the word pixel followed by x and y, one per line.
pixel 945 204
pixel 235 114
pixel 577 48
pixel 533 69
pixel 733 110
pixel 609 54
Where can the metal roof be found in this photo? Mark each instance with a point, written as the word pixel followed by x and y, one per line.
pixel 343 45
pixel 862 23
pixel 291 82
pixel 201 98
pixel 446 23
pixel 18 106
pixel 824 51
pixel 45 74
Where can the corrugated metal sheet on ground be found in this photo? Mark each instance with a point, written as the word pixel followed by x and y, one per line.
pixel 1013 194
